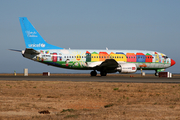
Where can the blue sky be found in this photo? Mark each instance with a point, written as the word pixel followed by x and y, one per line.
pixel 96 24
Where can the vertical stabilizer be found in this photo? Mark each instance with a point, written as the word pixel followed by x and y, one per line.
pixel 32 38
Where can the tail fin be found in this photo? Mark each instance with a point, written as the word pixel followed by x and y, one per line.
pixel 32 38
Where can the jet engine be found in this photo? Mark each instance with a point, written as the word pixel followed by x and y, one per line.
pixel 126 68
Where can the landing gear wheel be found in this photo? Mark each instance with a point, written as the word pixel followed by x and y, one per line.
pixel 103 73
pixel 156 74
pixel 93 73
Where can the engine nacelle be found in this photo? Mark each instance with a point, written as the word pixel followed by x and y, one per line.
pixel 127 68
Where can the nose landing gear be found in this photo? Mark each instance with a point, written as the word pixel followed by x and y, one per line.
pixel 156 73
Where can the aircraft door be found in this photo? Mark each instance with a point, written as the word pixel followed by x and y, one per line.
pixel 54 57
pixel 88 56
pixel 156 58
pixel 60 57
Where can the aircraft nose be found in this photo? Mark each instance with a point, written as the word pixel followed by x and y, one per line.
pixel 172 62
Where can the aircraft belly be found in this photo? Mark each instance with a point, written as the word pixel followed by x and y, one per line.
pixel 151 65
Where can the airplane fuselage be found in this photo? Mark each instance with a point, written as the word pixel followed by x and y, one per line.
pixel 81 59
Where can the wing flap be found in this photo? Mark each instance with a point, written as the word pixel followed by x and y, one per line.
pixel 94 64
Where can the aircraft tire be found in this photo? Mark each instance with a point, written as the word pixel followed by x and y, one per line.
pixel 103 73
pixel 93 73
pixel 156 74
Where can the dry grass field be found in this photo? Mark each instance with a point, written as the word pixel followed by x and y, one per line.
pixel 57 100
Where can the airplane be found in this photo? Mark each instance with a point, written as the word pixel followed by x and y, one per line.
pixel 104 61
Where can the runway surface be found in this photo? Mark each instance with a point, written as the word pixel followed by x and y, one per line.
pixel 93 79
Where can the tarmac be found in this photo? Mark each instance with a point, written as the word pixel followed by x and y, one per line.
pixel 87 78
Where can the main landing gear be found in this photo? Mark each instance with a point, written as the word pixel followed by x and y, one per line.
pixel 93 73
pixel 102 73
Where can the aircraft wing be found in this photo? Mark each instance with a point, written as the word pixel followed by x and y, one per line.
pixel 108 64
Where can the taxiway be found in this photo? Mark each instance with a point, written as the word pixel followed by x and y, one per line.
pixel 93 79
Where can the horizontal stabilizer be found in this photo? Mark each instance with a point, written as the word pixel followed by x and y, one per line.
pixel 31 51
pixel 15 50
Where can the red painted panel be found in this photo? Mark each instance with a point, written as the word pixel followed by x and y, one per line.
pixel 103 56
pixel 148 58
pixel 54 57
pixel 131 57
